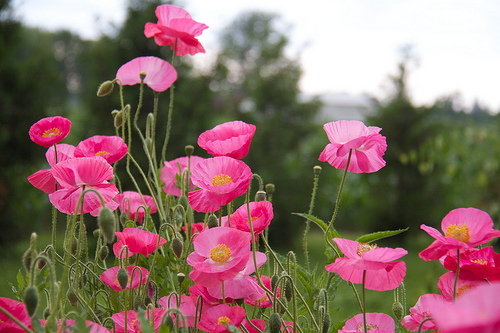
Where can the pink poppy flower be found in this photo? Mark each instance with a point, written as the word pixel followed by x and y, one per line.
pixel 382 273
pixel 111 148
pixel 172 172
pixel 43 179
pixel 220 179
pixel 219 254
pixel 242 285
pixel 73 176
pixel 229 139
pixel 94 327
pixel 159 74
pixel 215 319
pixel 368 146
pixel 463 228
pixel 196 227
pixel 375 323
pixel 137 241
pixel 187 307
pixel 261 213
pixel 136 275
pixel 477 311
pixel 208 300
pixel 265 301
pixel 132 203
pixel 475 264
pixel 18 311
pixel 420 312
pixel 176 28
pixel 133 324
pixel 259 323
pixel 49 131
pixel 446 285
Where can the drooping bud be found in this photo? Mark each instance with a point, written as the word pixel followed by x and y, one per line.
pixel 106 88
pixel 46 313
pixel 189 149
pixel 274 323
pixel 71 295
pixel 27 258
pixel 183 201
pixel 177 247
pixel 118 118
pixel 168 321
pixel 398 311
pixel 74 245
pixel 122 277
pixel 270 188
pixel 274 281
pixel 82 280
pixel 317 170
pixel 123 218
pixel 288 290
pixel 260 196
pixel 30 300
pixel 107 224
pixel 103 253
pixel 147 301
pixel 137 302
pixel 213 221
pixel 148 145
pixel 41 262
pixel 96 233
pixel 326 323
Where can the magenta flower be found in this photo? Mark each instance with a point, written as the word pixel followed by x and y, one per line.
pixel 187 307
pixel 261 213
pixel 229 139
pixel 75 175
pixel 137 241
pixel 94 327
pixel 382 273
pixel 133 324
pixel 172 172
pixel 17 310
pixel 49 131
pixel 220 179
pixel 477 311
pixel 215 319
pixel 111 148
pixel 195 227
pixel 159 74
pixel 463 228
pixel 43 179
pixel 265 301
pixel 367 145
pixel 375 323
pixel 475 264
pixel 208 300
pixel 446 285
pixel 219 254
pixel 176 28
pixel 420 312
pixel 136 275
pixel 135 204
pixel 259 323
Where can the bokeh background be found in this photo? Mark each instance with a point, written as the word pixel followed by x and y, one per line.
pixel 439 114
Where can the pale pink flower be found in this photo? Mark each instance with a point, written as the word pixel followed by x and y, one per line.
pixel 446 285
pixel 158 74
pixel 136 276
pixel 420 312
pixel 137 241
pixel 220 179
pixel 173 171
pixel 219 254
pixel 367 145
pixel 477 311
pixel 375 322
pixel 75 175
pixel 17 310
pixel 176 28
pixel 475 264
pixel 229 139
pixel 111 148
pixel 135 204
pixel 265 301
pixel 261 213
pixel 133 324
pixel 43 179
pixel 186 306
pixel 49 131
pixel 382 273
pixel 215 319
pixel 463 228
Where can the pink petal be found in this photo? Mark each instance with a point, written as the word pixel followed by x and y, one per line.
pixel 43 180
pixel 160 75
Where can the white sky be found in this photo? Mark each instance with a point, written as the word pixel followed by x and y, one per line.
pixel 345 46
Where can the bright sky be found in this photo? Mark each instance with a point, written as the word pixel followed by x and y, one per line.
pixel 345 46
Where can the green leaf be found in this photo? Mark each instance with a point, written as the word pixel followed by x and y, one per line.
pixel 379 235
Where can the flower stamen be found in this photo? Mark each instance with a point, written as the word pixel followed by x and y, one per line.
pixel 221 179
pixel 51 132
pixel 459 232
pixel 101 152
pixel 220 253
pixel 365 247
pixel 223 320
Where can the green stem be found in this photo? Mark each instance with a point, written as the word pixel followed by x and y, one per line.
pixel 311 207
pixel 456 276
pixel 364 303
pixel 14 319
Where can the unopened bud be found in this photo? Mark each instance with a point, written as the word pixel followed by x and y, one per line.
pixel 106 223
pixel 30 300
pixel 274 323
pixel 326 323
pixel 148 145
pixel 212 221
pixel 122 277
pixel 189 149
pixel 181 277
pixel 147 301
pixel 106 88
pixel 137 302
pixel 118 118
pixel 260 196
pixel 177 247
pixel 317 170
pixel 183 201
pixel 71 295
pixel 288 290
pixel 96 233
pixel 123 218
pixel 74 245
pixel 46 313
pixel 41 262
pixel 274 281
pixel 270 188
pixel 28 256
pixel 398 311
pixel 150 120
pixel 168 321
pixel 103 253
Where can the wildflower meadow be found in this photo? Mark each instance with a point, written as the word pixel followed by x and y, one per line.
pixel 185 248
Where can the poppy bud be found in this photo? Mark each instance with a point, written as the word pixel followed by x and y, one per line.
pixel 30 300
pixel 103 253
pixel 46 313
pixel 106 88
pixel 123 218
pixel 147 301
pixel 274 323
pixel 41 262
pixel 106 223
pixel 189 149
pixel 74 245
pixel 212 221
pixel 122 277
pixel 148 145
pixel 270 188
pixel 149 125
pixel 118 118
pixel 326 323
pixel 27 257
pixel 96 233
pixel 398 311
pixel 260 196
pixel 137 302
pixel 71 296
pixel 288 290
pixel 274 281
pixel 183 201
pixel 177 247
pixel 168 321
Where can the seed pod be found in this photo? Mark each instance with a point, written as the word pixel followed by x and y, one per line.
pixel 107 225
pixel 30 300
pixel 122 277
pixel 71 295
pixel 181 277
pixel 260 196
pixel 177 247
pixel 105 89
pixel 317 170
pixel 274 323
pixel 189 149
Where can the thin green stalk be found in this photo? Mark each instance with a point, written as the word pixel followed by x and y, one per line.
pixel 14 319
pixel 456 276
pixel 364 304
pixel 308 222
pixel 170 111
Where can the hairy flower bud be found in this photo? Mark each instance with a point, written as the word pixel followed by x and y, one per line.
pixel 107 225
pixel 270 188
pixel 30 300
pixel 183 201
pixel 71 296
pixel 148 145
pixel 274 281
pixel 74 245
pixel 212 221
pixel 398 311
pixel 274 323
pixel 46 313
pixel 28 256
pixel 106 88
pixel 177 247
pixel 118 118
pixel 103 253
pixel 288 290
pixel 168 321
pixel 326 323
pixel 137 302
pixel 122 277
pixel 123 218
pixel 147 301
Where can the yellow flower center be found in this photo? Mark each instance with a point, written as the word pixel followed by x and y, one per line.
pixel 462 289
pixel 221 179
pixel 51 132
pixel 480 262
pixel 458 231
pixel 223 320
pixel 220 253
pixel 101 152
pixel 364 247
pixel 360 327
pixel 264 299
